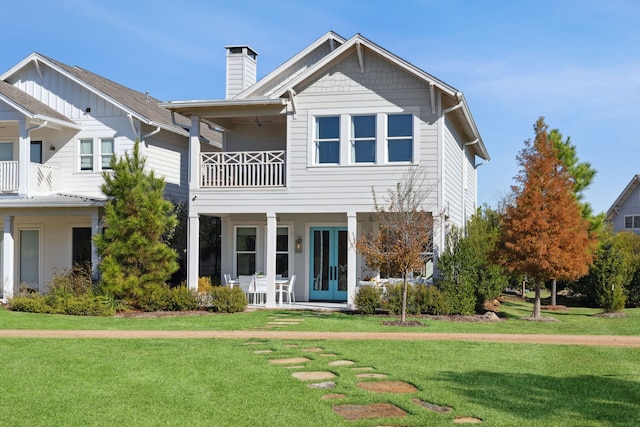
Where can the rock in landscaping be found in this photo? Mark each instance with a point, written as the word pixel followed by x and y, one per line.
pixel 377 410
pixel 313 375
pixel 387 387
pixel 326 384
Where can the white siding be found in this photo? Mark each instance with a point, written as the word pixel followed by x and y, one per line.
pixel 168 157
pixel 453 176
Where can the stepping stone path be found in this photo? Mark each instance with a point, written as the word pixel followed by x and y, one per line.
pixel 349 412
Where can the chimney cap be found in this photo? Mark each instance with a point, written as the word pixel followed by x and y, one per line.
pixel 239 48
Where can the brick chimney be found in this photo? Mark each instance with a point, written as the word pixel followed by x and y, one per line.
pixel 241 69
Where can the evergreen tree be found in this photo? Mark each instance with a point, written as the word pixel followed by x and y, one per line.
pixel 543 234
pixel 135 258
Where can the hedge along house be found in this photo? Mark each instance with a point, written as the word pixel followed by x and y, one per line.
pixel 304 147
pixel 60 126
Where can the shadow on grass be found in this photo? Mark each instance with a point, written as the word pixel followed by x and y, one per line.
pixel 605 399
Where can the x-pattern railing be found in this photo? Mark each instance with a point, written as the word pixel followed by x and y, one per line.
pixel 243 169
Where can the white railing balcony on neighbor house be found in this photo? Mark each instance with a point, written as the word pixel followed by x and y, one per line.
pixel 42 179
pixel 8 177
pixel 242 169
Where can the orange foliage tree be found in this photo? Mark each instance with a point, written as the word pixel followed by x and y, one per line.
pixel 404 233
pixel 543 233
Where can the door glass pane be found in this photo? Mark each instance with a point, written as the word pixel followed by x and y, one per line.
pixel 81 246
pixel 246 264
pixel 246 239
pixel 30 258
pixel 36 152
pixel 6 151
pixel 321 260
pixel 342 260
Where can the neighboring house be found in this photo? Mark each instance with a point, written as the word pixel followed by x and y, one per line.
pixel 624 214
pixel 60 126
pixel 302 150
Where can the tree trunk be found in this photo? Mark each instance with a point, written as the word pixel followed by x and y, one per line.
pixel 553 292
pixel 536 303
pixel 524 288
pixel 403 316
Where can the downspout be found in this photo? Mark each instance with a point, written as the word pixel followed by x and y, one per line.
pixel 465 181
pixel 149 134
pixel 136 133
pixel 24 150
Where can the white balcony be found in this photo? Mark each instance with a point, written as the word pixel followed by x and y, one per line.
pixel 43 179
pixel 242 169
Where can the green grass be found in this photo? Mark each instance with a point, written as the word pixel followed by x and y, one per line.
pixel 149 382
pixel 575 321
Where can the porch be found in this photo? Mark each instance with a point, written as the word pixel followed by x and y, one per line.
pixel 242 169
pixel 42 179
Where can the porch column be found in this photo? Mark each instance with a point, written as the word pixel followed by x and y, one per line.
pixel 95 230
pixel 352 258
pixel 193 251
pixel 194 155
pixel 226 244
pixel 270 247
pixel 8 246
pixel 24 151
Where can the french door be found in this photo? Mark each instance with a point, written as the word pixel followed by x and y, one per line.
pixel 328 264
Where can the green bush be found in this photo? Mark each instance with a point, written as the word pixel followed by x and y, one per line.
pixel 77 305
pixel 430 300
pixel 183 299
pixel 30 303
pixel 227 300
pixel 157 298
pixel 393 299
pixel 368 299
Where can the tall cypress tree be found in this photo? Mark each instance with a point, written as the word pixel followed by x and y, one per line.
pixel 136 259
pixel 543 233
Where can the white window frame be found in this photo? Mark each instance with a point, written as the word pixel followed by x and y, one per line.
pixel 346 157
pixel 353 141
pixel 254 252
pixel 634 218
pixel 317 140
pixel 388 139
pixel 288 251
pixel 96 154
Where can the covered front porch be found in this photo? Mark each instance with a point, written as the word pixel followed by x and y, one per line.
pixel 318 248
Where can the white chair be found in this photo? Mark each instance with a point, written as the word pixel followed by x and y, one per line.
pixel 288 290
pixel 247 286
pixel 227 281
pixel 260 288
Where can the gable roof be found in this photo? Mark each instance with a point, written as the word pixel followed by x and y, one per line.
pixel 140 105
pixel 31 107
pixel 622 198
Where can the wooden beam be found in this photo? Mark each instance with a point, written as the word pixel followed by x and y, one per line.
pixel 360 56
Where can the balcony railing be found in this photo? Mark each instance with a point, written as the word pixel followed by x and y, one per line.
pixel 242 169
pixel 43 179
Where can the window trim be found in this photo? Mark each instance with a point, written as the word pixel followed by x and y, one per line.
pixel 235 247
pixel 634 218
pixel 96 154
pixel 346 157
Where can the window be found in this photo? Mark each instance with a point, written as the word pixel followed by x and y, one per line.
pixel 632 222
pixel 86 154
pixel 96 154
pixel 30 258
pixel 400 138
pixel 327 140
pixel 36 152
pixel 246 250
pixel 363 139
pixel 106 152
pixel 6 151
pixel 81 246
pixel 282 251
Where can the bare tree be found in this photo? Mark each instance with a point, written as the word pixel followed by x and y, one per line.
pixel 404 233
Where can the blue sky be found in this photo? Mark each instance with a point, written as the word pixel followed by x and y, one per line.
pixel 575 62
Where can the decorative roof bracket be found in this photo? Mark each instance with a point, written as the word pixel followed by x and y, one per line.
pixel 360 56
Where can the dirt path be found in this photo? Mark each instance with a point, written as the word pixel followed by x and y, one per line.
pixel 594 340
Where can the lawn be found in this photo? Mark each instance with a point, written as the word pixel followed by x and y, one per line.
pixel 227 382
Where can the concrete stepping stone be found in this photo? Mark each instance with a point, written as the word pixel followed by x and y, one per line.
pixel 377 410
pixel 294 367
pixel 370 375
pixel 341 363
pixel 323 385
pixel 363 368
pixel 282 323
pixel 467 420
pixel 289 360
pixel 263 351
pixel 313 349
pixel 432 407
pixel 328 355
pixel 313 375
pixel 387 387
pixel 254 343
pixel 333 396
pixel 291 346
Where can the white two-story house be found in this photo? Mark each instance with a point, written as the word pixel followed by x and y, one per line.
pixel 60 126
pixel 304 147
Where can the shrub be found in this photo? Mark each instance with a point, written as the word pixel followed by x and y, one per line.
pixel 393 299
pixel 227 300
pixel 157 298
pixel 183 299
pixel 368 299
pixel 430 300
pixel 204 284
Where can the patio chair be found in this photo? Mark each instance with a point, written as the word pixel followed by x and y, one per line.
pixel 227 281
pixel 288 290
pixel 260 289
pixel 247 286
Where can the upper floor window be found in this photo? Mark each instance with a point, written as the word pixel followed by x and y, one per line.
pixel 400 138
pixel 96 154
pixel 363 139
pixel 327 140
pixel 632 222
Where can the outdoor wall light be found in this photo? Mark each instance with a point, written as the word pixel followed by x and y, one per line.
pixel 299 244
pixel 52 147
